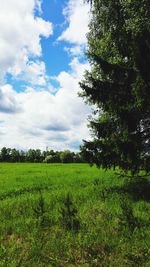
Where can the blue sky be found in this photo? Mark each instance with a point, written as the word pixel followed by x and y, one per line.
pixel 42 46
pixel 53 53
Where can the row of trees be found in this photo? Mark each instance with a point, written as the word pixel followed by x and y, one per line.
pixel 36 155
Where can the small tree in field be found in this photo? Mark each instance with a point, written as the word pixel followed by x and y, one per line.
pixel 119 84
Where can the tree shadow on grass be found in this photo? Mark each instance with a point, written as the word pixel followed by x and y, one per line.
pixel 138 188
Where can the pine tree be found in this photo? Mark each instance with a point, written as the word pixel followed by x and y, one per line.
pixel 118 84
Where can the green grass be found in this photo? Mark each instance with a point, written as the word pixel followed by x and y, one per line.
pixel 72 215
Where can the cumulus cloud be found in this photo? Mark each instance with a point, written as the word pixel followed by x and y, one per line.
pixel 77 17
pixel 53 117
pixel 8 100
pixel 57 121
pixel 20 35
pixel 34 72
pixel 76 50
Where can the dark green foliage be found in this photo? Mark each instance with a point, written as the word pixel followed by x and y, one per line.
pixel 68 213
pixel 67 156
pixel 119 84
pixel 52 159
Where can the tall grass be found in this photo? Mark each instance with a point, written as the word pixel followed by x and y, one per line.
pixel 72 215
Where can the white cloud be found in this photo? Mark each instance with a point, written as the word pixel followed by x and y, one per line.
pixel 57 121
pixel 8 100
pixel 77 17
pixel 34 72
pixel 20 35
pixel 75 50
pixel 39 118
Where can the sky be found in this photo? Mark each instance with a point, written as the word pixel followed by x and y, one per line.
pixel 42 60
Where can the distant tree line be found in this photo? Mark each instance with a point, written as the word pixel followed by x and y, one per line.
pixel 36 155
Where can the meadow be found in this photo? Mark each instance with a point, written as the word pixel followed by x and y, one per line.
pixel 66 215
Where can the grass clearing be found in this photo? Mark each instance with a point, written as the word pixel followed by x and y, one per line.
pixel 72 215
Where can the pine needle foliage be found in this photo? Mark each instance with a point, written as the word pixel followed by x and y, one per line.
pixel 118 84
pixel 69 216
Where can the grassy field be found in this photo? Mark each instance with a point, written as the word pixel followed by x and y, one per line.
pixel 72 215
